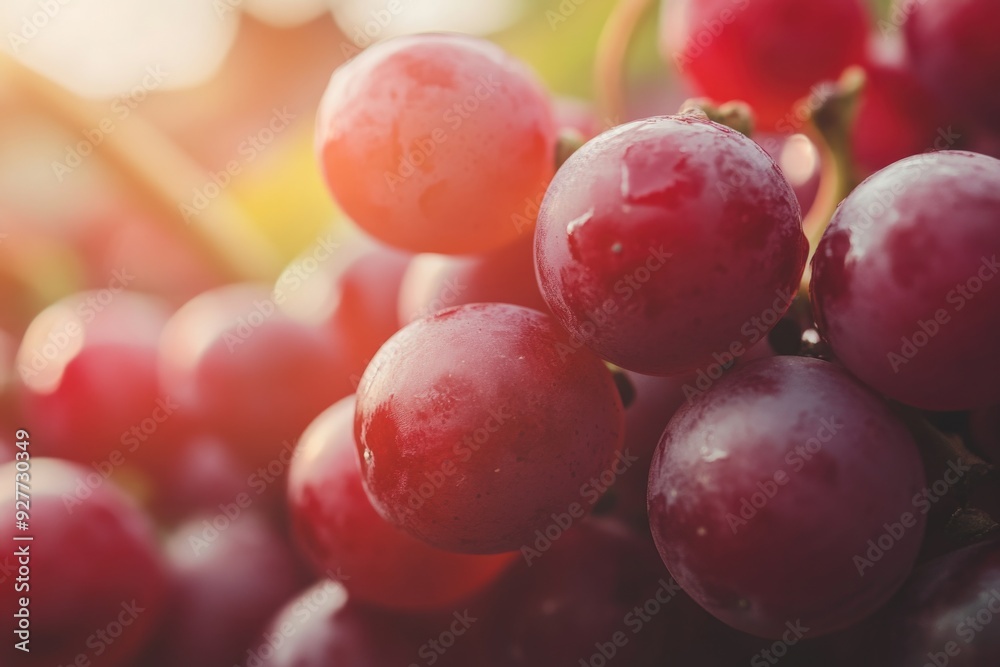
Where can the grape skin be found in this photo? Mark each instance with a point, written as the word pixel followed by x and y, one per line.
pixel 344 536
pixel 663 243
pixel 476 424
pixel 830 465
pixel 904 281
pixel 435 143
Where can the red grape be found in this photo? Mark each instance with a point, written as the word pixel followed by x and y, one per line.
pixel 955 53
pixel 904 281
pixel 89 386
pixel 434 142
pixel 946 613
pixel 94 580
pixel 574 114
pixel 478 424
pixel 768 53
pixel 353 295
pixel 224 592
pixel 668 243
pixel 597 591
pixel 322 628
pixel 202 474
pixel 435 282
pixel 256 376
pixel 784 496
pixel 345 537
pixel 897 117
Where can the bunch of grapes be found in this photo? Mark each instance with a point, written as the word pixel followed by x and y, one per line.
pixel 576 395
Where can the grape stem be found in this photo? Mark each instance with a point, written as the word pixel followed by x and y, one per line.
pixel 830 127
pixel 150 164
pixel 612 56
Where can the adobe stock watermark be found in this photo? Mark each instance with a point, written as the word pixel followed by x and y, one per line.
pixel 796 460
pixel 453 118
pixel 591 491
pixel 633 622
pixel 752 332
pixel 625 289
pixel 922 502
pixel 967 630
pixel 33 24
pixel 779 649
pixel 257 483
pixel 121 108
pixel 131 440
pixel 899 14
pixel 314 601
pixel 104 637
pixel 367 33
pixel 463 451
pixel 434 648
pixel 957 298
pixel 247 151
pixel 562 13
pixel 58 341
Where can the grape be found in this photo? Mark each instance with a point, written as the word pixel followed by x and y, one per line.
pixel 225 591
pixel 353 297
pixel 256 376
pixel 772 497
pixel 346 538
pixel 904 281
pixel 668 244
pixel 896 117
pixel 768 53
pixel 321 628
pixel 435 282
pixel 799 161
pixel 956 54
pixel 946 613
pixel 89 386
pixel 478 424
pixel 578 115
pixel 96 584
pixel 597 583
pixel 436 143
pixel 202 474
